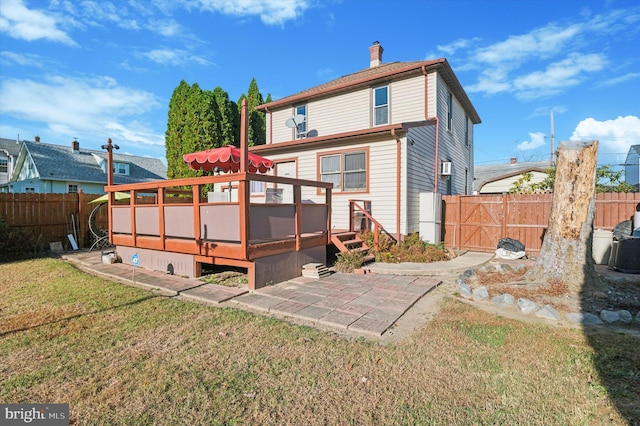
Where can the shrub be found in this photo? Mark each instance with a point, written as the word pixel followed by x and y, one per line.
pixel 347 262
pixel 16 243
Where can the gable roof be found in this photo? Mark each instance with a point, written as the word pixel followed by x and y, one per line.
pixel 487 173
pixel 11 146
pixel 633 149
pixel 57 162
pixel 381 73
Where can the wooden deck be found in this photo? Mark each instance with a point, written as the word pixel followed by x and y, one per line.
pixel 171 225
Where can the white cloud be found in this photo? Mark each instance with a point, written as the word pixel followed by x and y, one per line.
pixel 547 60
pixel 271 12
pixel 177 57
pixel 451 48
pixel 22 59
pixel 621 79
pixel 615 136
pixel 19 22
pixel 558 76
pixel 537 140
pixel 77 107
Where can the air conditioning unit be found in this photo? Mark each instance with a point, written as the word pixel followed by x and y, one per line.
pixel 445 168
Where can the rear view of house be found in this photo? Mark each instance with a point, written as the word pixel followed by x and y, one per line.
pixel 383 135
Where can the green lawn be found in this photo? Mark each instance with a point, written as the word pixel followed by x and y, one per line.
pixel 121 355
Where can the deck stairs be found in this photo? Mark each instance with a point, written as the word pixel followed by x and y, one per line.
pixel 349 242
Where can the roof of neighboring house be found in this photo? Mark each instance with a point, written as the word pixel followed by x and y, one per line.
pixel 12 146
pixel 382 72
pixel 492 172
pixel 633 149
pixel 57 162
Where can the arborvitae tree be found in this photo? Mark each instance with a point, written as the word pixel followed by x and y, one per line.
pixel 228 116
pixel 257 129
pixel 175 130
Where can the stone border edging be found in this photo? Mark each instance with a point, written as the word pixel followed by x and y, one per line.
pixel 528 307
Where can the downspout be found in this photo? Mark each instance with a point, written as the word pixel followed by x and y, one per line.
pixel 398 176
pixel 426 116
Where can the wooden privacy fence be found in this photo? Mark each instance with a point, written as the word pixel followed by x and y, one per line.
pixel 477 223
pixel 51 217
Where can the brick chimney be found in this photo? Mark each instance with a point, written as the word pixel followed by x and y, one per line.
pixel 75 146
pixel 514 160
pixel 375 54
pixel 37 138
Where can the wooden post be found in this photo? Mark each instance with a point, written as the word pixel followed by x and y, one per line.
pixel 244 134
pixel 565 254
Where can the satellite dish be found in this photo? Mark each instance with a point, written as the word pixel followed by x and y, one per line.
pixel 292 122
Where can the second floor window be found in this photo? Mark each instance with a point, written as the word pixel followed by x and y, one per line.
pixel 4 165
pixel 302 126
pixel 120 168
pixel 449 111
pixel 381 106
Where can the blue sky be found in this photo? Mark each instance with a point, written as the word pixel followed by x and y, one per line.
pixel 102 69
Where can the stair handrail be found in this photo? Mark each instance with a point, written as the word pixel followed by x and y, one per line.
pixel 377 226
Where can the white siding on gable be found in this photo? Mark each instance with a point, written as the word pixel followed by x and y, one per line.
pixel 281 133
pixel 407 100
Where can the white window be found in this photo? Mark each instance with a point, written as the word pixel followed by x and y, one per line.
pixel 121 168
pixel 302 126
pixel 30 190
pixel 380 106
pixel 4 165
pixel 347 171
pixel 449 111
pixel 72 188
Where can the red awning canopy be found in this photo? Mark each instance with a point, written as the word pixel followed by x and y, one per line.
pixel 226 158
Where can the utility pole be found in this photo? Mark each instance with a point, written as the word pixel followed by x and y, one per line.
pixel 552 142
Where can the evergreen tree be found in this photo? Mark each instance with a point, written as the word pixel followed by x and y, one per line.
pixel 228 117
pixel 257 128
pixel 176 123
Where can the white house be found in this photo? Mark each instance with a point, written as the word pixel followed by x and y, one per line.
pixel 499 178
pixel 384 134
pixel 9 150
pixel 632 167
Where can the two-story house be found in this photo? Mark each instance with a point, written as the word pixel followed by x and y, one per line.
pixel 9 150
pixel 48 168
pixel 385 135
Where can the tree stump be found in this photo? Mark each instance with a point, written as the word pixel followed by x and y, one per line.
pixel 565 255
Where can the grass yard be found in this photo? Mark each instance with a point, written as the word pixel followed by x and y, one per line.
pixel 121 355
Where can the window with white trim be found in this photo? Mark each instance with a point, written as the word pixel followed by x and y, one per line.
pixel 72 188
pixel 4 165
pixel 121 168
pixel 449 111
pixel 302 127
pixel 381 105
pixel 347 171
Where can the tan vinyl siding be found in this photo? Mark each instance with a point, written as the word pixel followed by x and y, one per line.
pixel 381 176
pixel 281 133
pixel 407 100
pixel 505 185
pixel 342 113
pixel 432 95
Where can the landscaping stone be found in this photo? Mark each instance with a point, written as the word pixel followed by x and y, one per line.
pixel 464 289
pixel 547 312
pixel 467 273
pixel 584 318
pixel 503 301
pixel 480 294
pixel 527 306
pixel 609 317
pixel 625 316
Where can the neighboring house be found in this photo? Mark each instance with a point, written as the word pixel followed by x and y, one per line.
pixel 632 167
pixel 499 178
pixel 384 134
pixel 47 168
pixel 9 149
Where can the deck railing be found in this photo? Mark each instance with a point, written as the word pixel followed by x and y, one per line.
pixel 360 211
pixel 176 215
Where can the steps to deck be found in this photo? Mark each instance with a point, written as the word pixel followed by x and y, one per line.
pixel 350 242
pixel 315 270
